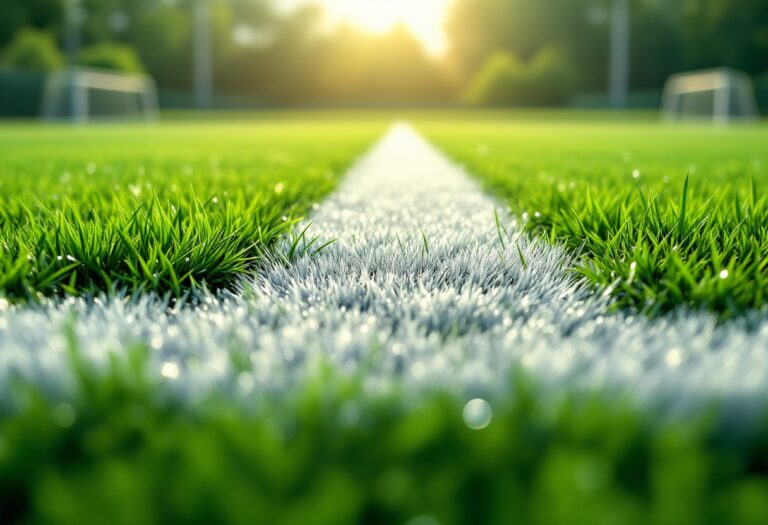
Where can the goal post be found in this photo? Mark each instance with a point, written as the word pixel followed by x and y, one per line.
pixel 720 95
pixel 83 94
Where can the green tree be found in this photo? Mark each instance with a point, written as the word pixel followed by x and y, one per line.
pixel 109 55
pixel 725 33
pixel 547 79
pixel 18 14
pixel 496 81
pixel 34 50
pixel 477 28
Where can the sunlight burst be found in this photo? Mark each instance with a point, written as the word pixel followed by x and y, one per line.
pixel 424 18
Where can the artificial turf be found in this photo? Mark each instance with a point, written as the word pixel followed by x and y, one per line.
pixel 666 216
pixel 166 209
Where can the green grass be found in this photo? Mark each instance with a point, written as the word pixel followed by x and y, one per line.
pixel 665 216
pixel 165 209
pixel 334 455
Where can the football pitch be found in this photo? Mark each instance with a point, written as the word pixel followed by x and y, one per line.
pixel 461 318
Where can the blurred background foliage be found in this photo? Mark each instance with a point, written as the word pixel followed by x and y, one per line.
pixel 551 52
pixel 109 55
pixel 33 49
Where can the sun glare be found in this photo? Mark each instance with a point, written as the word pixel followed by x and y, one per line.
pixel 424 18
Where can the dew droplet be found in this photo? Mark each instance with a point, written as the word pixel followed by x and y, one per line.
pixel 477 414
pixel 170 370
pixel 673 358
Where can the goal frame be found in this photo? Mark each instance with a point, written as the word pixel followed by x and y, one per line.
pixel 77 82
pixel 725 85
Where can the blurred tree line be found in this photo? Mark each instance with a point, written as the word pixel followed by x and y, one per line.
pixel 521 52
pixel 491 39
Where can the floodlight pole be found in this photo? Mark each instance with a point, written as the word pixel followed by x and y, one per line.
pixel 620 47
pixel 73 43
pixel 73 39
pixel 203 55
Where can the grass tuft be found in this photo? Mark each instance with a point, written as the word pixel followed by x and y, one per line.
pixel 165 210
pixel 665 217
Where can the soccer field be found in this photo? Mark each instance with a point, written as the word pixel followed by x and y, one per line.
pixel 329 320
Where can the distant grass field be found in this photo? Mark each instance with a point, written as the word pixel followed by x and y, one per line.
pixel 167 208
pixel 617 192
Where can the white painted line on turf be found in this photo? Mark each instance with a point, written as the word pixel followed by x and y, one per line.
pixel 418 292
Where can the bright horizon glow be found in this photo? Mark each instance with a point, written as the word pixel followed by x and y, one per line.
pixel 424 18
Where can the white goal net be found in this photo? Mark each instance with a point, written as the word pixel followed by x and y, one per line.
pixel 84 94
pixel 719 95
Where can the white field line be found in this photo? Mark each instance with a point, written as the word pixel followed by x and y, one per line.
pixel 418 292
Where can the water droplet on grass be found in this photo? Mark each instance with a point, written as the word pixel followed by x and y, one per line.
pixel 477 414
pixel 673 358
pixel 170 370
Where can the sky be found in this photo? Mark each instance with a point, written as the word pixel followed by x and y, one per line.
pixel 424 18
